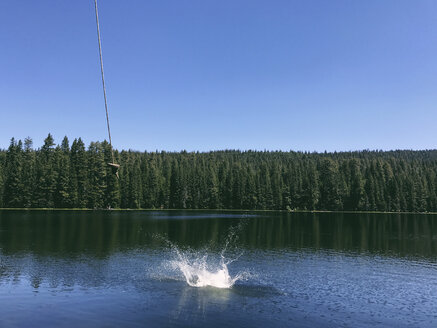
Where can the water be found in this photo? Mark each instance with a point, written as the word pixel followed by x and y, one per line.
pixel 192 269
pixel 200 272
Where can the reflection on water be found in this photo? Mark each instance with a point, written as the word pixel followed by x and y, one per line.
pixel 202 298
pixel 109 268
pixel 100 233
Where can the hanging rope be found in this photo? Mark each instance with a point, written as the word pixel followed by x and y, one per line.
pixel 113 164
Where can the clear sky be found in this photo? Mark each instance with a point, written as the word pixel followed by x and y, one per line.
pixel 224 74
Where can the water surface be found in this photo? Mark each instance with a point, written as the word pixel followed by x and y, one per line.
pixel 112 269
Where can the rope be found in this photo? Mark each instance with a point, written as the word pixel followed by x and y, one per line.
pixel 103 81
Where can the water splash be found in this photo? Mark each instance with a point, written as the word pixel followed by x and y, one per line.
pixel 199 272
pixel 203 268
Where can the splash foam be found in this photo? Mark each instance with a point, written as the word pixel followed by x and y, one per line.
pixel 198 272
pixel 201 270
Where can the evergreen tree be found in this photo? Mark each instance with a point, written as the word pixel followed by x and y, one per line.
pixel 1 185
pixel 96 176
pixel 152 185
pixel 62 177
pixel 13 189
pixel 46 175
pixel 63 197
pixel 29 174
pixel 79 176
pixel 135 185
pixel 175 187
pixel 330 186
pixel 112 193
pixel 356 183
pixel 213 200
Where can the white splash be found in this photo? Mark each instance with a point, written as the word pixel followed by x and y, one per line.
pixel 200 269
pixel 199 273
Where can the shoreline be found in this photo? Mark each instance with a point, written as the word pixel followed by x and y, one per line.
pixel 210 209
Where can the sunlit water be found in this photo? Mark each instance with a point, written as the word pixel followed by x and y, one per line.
pixel 196 269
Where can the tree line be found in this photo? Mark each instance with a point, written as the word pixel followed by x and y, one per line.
pixel 64 176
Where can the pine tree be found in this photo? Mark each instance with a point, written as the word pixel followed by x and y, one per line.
pixel 112 193
pixel 135 185
pixel 266 188
pixel 330 198
pixel 79 176
pixel 46 175
pixel 152 184
pixel 356 183
pixel 63 177
pixel 175 187
pixel 213 200
pixel 63 198
pixel 250 200
pixel 369 190
pixel 96 176
pixel 237 187
pixel 13 188
pixel 1 184
pixel 29 174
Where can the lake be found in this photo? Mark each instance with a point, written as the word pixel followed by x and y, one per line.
pixel 216 269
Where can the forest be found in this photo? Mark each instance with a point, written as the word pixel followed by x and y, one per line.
pixel 76 176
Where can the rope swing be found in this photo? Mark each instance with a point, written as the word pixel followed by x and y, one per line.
pixel 113 165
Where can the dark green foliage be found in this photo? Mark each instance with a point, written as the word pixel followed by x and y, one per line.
pixel 63 198
pixel 1 186
pixel 47 175
pixel 1 180
pixel 67 177
pixel 112 192
pixel 96 182
pixel 28 174
pixel 330 184
pixel 79 174
pixel 13 185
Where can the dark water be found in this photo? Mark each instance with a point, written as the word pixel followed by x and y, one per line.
pixel 114 269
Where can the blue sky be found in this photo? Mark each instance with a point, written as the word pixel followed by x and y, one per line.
pixel 207 75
